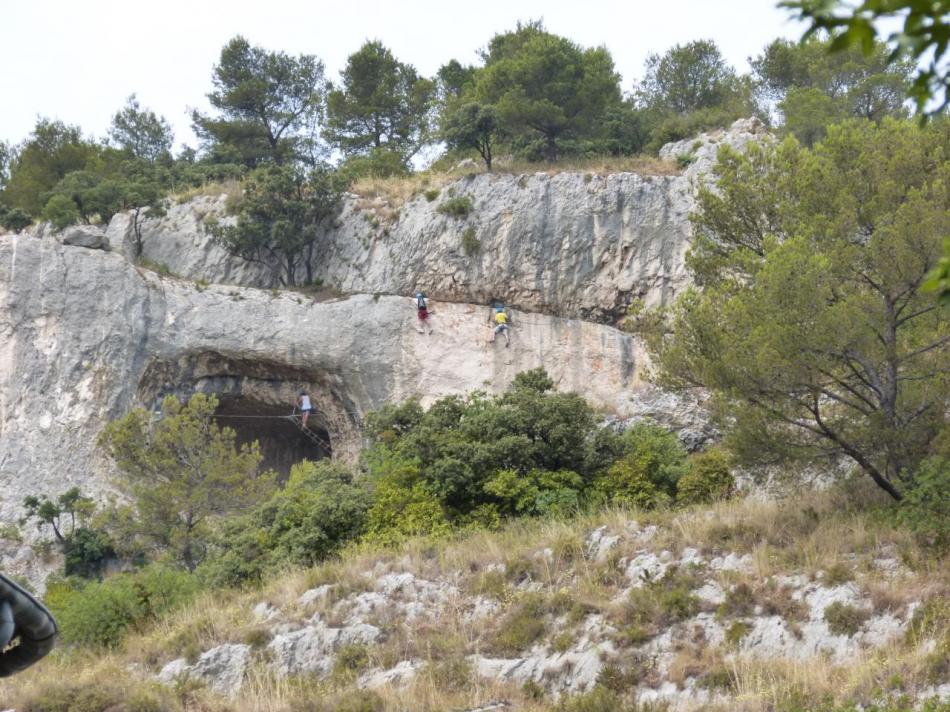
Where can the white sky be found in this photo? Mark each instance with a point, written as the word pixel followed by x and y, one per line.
pixel 77 60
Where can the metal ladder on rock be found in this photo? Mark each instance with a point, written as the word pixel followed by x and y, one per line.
pixel 297 420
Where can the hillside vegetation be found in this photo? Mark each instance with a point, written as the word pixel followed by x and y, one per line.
pixel 681 605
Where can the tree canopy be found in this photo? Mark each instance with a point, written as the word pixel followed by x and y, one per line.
pixel 923 39
pixel 278 218
pixel 687 78
pixel 141 132
pixel 811 327
pixel 548 91
pixel 381 103
pixel 52 150
pixel 268 104
pixel 182 472
pixel 814 88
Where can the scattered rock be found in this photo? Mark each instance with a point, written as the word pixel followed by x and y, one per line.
pixel 222 668
pixel 599 544
pixel 85 236
pixel 402 673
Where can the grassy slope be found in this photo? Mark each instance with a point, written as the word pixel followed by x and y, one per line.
pixel 813 535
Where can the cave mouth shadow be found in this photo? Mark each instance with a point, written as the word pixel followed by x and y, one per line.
pixel 281 441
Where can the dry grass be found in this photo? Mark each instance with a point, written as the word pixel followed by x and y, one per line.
pixel 212 189
pixel 383 198
pixel 815 534
pixel 595 166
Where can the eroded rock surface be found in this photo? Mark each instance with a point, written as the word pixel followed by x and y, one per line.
pixel 570 244
pixel 84 336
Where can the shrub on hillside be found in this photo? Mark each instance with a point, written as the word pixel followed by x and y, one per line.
pixel 400 512
pixel 926 504
pixel 708 479
pixel 457 207
pixel 652 463
pixel 318 510
pixel 100 614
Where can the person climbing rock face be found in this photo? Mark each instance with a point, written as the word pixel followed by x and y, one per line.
pixel 422 312
pixel 303 403
pixel 500 321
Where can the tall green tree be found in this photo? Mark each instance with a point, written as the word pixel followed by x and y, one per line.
pixel 268 104
pixel 278 219
pixel 549 92
pixel 183 472
pixel 813 87
pixel 141 132
pixel 6 158
pixel 473 126
pixel 687 78
pixel 381 103
pixel 923 40
pixel 810 327
pixel 51 151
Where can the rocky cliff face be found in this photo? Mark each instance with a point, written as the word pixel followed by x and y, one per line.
pixel 570 244
pixel 85 334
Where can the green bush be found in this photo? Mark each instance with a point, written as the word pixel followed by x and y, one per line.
pixel 400 512
pixel 100 614
pixel 319 509
pixel 470 242
pixel 61 211
pixel 431 194
pixel 708 479
pixel 15 220
pixel 457 207
pixel 379 163
pixel 86 552
pixel 843 619
pixel 597 699
pixel 926 504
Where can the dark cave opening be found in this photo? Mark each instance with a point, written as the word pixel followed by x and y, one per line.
pixel 281 440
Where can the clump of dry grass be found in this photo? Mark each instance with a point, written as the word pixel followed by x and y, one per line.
pixel 212 189
pixel 594 166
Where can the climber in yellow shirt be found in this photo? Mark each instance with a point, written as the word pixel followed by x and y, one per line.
pixel 500 322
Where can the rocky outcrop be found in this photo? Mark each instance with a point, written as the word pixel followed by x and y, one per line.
pixel 569 244
pixel 724 615
pixel 84 336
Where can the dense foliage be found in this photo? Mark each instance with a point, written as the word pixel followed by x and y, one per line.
pixel 811 327
pixel 183 472
pixel 278 216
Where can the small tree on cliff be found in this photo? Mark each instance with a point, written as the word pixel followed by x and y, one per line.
pixel 811 328
pixel 278 218
pixel 182 472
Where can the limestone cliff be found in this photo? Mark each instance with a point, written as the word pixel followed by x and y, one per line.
pixel 569 244
pixel 85 335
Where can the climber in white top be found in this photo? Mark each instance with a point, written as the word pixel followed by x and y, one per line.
pixel 303 402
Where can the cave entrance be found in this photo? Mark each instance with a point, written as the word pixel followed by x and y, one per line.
pixel 256 399
pixel 283 443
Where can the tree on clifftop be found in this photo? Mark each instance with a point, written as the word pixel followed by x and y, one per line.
pixel 278 217
pixel 182 472
pixel 811 328
pixel 382 103
pixel 268 104
pixel 549 92
pixel 141 132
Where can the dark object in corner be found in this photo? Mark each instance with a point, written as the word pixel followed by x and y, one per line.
pixel 24 618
